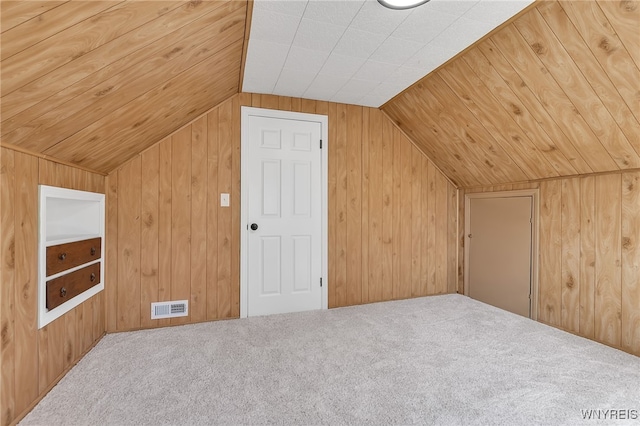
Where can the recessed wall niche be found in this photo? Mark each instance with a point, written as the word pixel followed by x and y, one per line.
pixel 70 248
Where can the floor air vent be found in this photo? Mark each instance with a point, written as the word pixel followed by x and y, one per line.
pixel 176 308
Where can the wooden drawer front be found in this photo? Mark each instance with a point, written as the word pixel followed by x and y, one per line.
pixel 63 288
pixel 70 255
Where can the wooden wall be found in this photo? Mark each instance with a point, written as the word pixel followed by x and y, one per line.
pixel 552 94
pixel 94 83
pixel 392 217
pixel 589 256
pixel 34 360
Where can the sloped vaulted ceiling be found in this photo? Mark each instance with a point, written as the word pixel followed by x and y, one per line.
pixel 555 93
pixel 96 82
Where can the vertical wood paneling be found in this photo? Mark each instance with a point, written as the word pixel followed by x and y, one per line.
pixel 406 214
pixel 333 202
pixel 164 224
pixel 354 206
pixel 631 262
pixel 441 233
pixel 608 253
pixel 364 225
pixel 57 345
pixel 571 254
pixel 224 217
pixel 416 223
pixel 587 255
pixel 181 218
pixel 341 198
pixel 198 303
pixel 52 363
pixel 72 347
pixel 432 287
pixel 550 266
pixel 26 281
pixel 8 287
pixel 376 159
pixel 461 239
pixel 452 240
pixel 390 214
pixel 424 232
pixel 212 215
pixel 149 234
pixel 111 256
pixel 33 360
pixel 128 284
pixel 235 206
pixel 389 199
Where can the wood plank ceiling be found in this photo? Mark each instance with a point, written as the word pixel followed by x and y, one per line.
pixel 96 82
pixel 554 93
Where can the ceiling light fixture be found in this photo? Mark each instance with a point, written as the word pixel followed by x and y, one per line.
pixel 401 4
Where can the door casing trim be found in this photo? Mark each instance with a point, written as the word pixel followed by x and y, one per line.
pixel 245 113
pixel 534 193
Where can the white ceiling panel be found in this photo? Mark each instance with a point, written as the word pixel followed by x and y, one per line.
pixel 357 51
pixel 395 50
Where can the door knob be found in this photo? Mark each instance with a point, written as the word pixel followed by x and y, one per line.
pixel 254 226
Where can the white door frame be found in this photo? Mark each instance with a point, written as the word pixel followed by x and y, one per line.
pixel 246 112
pixel 534 194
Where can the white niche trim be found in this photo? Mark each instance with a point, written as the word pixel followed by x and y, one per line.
pixel 66 216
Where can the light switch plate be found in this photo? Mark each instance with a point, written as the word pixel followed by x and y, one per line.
pixel 224 200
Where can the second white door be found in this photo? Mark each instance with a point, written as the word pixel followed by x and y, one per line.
pixel 284 215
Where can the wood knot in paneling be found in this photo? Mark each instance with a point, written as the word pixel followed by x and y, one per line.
pixel 629 5
pixel 148 220
pixel 605 45
pixel 140 123
pixel 515 109
pixel 4 334
pixel 152 273
pixel 172 53
pixel 570 281
pixel 538 48
pixel 627 243
pixel 78 55
pixel 69 352
pixel 103 91
pixel 194 3
pixel 26 290
pixel 10 256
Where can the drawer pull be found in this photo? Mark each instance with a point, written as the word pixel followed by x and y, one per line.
pixel 63 292
pixel 92 277
pixel 62 256
pixel 93 251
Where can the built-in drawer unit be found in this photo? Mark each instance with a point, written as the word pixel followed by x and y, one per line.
pixel 64 288
pixel 70 255
pixel 70 249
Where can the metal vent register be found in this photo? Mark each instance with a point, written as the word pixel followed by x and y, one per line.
pixel 172 309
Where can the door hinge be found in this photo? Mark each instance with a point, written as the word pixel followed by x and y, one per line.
pixel 320 143
pixel 320 281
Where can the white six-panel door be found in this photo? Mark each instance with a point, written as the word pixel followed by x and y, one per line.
pixel 283 205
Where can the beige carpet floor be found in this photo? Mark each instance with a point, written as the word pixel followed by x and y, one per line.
pixel 444 360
